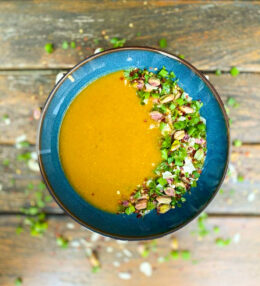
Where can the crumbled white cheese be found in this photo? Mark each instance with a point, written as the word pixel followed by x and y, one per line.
pixel 94 237
pixel 146 268
pixel 167 175
pixel 181 118
pixel 188 166
pixel 127 252
pixel 203 119
pixel 33 165
pixel 191 141
pixel 124 275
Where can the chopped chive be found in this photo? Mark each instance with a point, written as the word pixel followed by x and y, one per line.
pixel 237 143
pixel 218 72
pixel 117 42
pixel 163 43
pixel 65 45
pixel 62 242
pixel 6 162
pixel 240 178
pixel 216 229
pixel 185 254
pixel 223 242
pixel 73 45
pixel 234 71
pixel 18 281
pixel 49 48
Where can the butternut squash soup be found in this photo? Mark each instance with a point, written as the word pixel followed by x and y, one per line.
pixel 108 144
pixel 134 141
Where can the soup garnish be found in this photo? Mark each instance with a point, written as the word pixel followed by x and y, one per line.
pixel 182 146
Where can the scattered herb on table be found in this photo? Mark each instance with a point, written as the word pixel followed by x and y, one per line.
pixel 216 229
pixel 35 217
pixel 18 281
pixel 181 56
pixel 234 71
pixel 218 72
pixel 138 34
pixel 223 242
pixel 163 43
pixel 240 178
pixel 94 261
pixel 6 162
pixel 183 142
pixel 73 45
pixel 65 45
pixel 49 48
pixel 117 42
pixel 237 143
pixel 62 241
pixel 185 254
pixel 231 101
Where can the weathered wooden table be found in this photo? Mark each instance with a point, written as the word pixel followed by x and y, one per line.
pixel 211 35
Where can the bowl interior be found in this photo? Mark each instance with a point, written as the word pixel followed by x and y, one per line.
pixel 123 226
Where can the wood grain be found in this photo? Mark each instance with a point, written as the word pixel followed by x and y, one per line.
pixel 40 259
pixel 211 35
pixel 22 92
pixel 237 198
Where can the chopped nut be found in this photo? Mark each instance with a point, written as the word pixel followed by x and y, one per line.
pixel 163 208
pixel 156 115
pixel 140 84
pixel 175 243
pixel 186 109
pixel 154 81
pixel 164 200
pixel 141 204
pixel 93 259
pixel 180 184
pixel 169 191
pixel 178 135
pixel 149 88
pixel 168 98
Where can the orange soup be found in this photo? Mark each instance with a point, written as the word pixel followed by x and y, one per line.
pixel 107 142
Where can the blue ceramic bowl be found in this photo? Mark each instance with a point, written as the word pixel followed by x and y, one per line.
pixel 123 226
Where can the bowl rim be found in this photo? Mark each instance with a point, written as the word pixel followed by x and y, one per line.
pixel 45 108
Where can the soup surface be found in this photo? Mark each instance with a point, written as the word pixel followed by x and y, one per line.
pixel 107 146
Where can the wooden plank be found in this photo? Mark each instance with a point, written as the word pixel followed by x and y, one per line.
pixel 237 198
pixel 37 260
pixel 22 92
pixel 211 35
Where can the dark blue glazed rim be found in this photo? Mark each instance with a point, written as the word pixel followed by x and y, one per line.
pixel 123 226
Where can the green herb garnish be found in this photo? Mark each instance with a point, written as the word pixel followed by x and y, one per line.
pixel 237 143
pixel 218 72
pixel 234 71
pixel 49 48
pixel 163 43
pixel 117 42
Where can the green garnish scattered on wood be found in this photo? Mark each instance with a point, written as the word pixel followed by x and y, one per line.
pixel 234 71
pixel 49 48
pixel 18 281
pixel 218 72
pixel 223 242
pixel 117 42
pixel 237 143
pixel 163 43
pixel 65 45
pixel 73 45
pixel 62 242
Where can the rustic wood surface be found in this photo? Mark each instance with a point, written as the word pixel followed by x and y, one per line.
pixel 234 199
pixel 27 90
pixel 211 35
pixel 41 262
